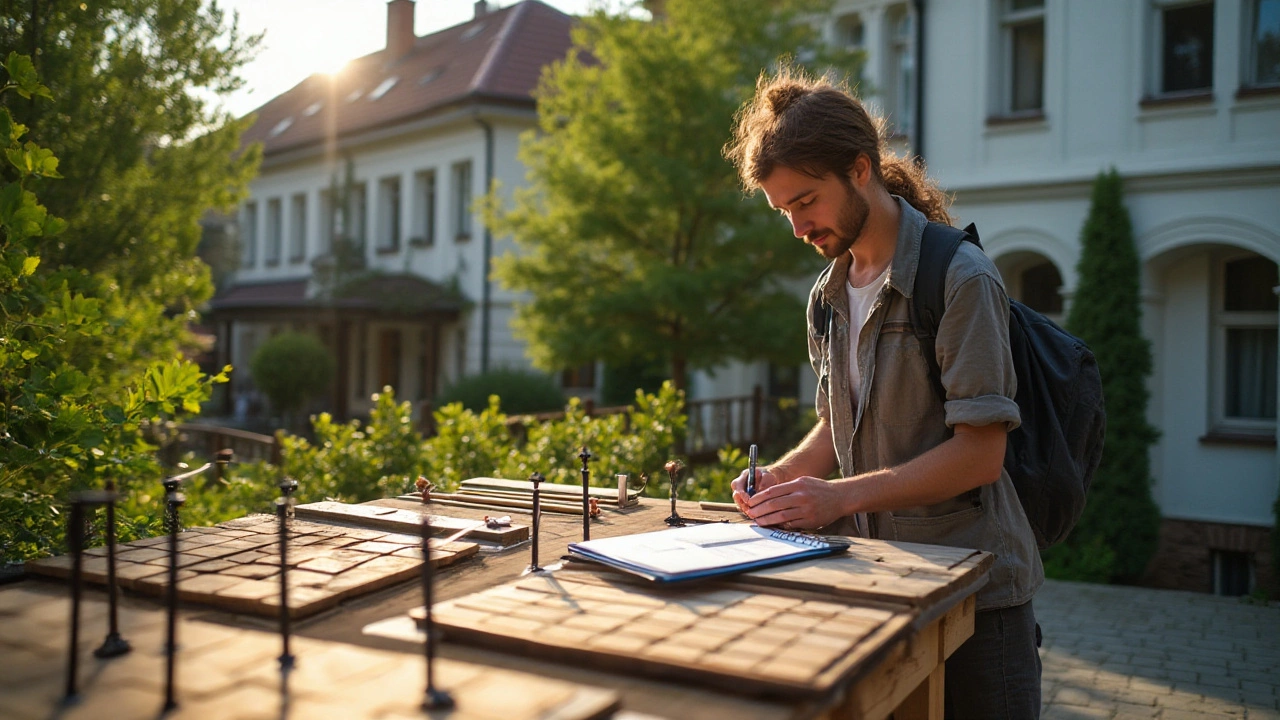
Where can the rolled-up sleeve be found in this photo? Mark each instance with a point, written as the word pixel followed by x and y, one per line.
pixel 973 349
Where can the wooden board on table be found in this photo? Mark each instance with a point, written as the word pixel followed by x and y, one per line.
pixel 745 641
pixel 908 573
pixel 406 521
pixel 236 565
pixel 559 491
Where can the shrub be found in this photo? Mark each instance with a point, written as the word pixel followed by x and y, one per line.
pixel 1120 517
pixel 291 368
pixel 521 391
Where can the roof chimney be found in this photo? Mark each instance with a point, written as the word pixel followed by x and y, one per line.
pixel 400 36
pixel 482 7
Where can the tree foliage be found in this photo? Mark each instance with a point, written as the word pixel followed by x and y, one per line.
pixel 59 429
pixel 635 242
pixel 144 155
pixel 522 391
pixel 1117 534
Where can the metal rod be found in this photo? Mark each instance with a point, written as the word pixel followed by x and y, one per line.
pixel 173 501
pixel 435 699
pixel 536 479
pixel 674 468
pixel 75 536
pixel 282 513
pixel 585 455
pixel 113 645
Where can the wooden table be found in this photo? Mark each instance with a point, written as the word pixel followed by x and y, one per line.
pixel 927 590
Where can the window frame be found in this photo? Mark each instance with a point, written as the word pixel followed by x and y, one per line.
pixel 900 73
pixel 461 174
pixel 426 208
pixel 249 235
pixel 1008 20
pixel 297 228
pixel 1249 72
pixel 1157 51
pixel 390 208
pixel 1221 322
pixel 274 247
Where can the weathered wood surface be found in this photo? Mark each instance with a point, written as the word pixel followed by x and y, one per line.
pixel 236 565
pixel 749 642
pixel 225 671
pixel 407 520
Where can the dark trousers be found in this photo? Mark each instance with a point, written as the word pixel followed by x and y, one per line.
pixel 996 673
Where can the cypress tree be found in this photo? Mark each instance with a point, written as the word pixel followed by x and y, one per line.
pixel 1117 534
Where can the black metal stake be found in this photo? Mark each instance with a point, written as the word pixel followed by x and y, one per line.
pixel 113 645
pixel 535 478
pixel 674 468
pixel 173 500
pixel 75 536
pixel 282 513
pixel 435 699
pixel 585 456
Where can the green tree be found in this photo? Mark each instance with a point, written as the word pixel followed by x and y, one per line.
pixel 145 154
pixel 1117 534
pixel 291 368
pixel 59 430
pixel 635 242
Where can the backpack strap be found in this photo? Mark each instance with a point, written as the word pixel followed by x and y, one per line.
pixel 820 310
pixel 937 247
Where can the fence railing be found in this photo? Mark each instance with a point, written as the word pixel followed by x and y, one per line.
pixel 209 439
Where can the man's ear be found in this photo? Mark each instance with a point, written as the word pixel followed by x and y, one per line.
pixel 860 173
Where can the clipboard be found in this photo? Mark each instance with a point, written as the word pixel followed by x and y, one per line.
pixel 703 551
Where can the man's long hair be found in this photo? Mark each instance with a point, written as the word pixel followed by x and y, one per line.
pixel 813 126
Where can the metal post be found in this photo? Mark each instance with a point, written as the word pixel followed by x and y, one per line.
pixel 585 456
pixel 173 501
pixel 282 513
pixel 75 537
pixel 674 468
pixel 435 699
pixel 113 645
pixel 535 478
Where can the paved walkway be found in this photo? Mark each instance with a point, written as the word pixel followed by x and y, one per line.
pixel 1121 652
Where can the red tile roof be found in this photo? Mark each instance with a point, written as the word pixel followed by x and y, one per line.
pixel 497 57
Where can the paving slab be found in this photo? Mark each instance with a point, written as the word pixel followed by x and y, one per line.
pixel 1115 652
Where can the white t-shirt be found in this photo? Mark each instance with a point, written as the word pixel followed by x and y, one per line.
pixel 860 302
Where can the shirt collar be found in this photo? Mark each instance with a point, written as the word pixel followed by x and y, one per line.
pixel 906 256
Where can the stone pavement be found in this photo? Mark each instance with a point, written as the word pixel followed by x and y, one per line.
pixel 1123 652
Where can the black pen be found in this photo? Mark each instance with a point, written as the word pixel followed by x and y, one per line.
pixel 751 471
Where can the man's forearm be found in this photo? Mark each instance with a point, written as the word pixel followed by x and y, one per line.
pixel 971 458
pixel 815 455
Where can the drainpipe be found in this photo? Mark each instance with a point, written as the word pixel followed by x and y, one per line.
pixel 485 291
pixel 918 123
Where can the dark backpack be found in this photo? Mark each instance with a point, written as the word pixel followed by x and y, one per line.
pixel 1052 455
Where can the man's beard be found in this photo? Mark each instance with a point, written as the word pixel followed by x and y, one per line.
pixel 849 225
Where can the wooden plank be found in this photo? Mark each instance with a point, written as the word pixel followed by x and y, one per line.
pixel 927 701
pixel 606 495
pixel 957 625
pixel 403 520
pixel 894 679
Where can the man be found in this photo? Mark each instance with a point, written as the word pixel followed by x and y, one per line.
pixel 912 467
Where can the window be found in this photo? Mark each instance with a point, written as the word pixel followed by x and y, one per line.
pixel 1041 284
pixel 1264 44
pixel 1021 57
pixel 1186 48
pixel 328 222
pixel 1245 346
pixel 424 221
pixel 900 84
pixel 1232 573
pixel 272 253
pixel 389 215
pixel 358 215
pixel 580 378
pixel 298 228
pixel 849 31
pixel 249 236
pixel 462 200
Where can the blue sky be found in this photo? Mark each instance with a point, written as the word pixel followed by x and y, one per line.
pixel 307 36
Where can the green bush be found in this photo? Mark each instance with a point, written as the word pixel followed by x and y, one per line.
pixel 291 368
pixel 522 391
pixel 1117 534
pixel 621 381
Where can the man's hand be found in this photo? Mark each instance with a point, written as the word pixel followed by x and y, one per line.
pixel 765 478
pixel 805 503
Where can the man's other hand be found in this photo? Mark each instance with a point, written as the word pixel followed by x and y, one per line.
pixel 765 478
pixel 805 503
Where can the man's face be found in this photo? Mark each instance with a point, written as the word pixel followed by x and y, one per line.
pixel 828 213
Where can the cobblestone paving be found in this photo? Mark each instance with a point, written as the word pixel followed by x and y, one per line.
pixel 1120 652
